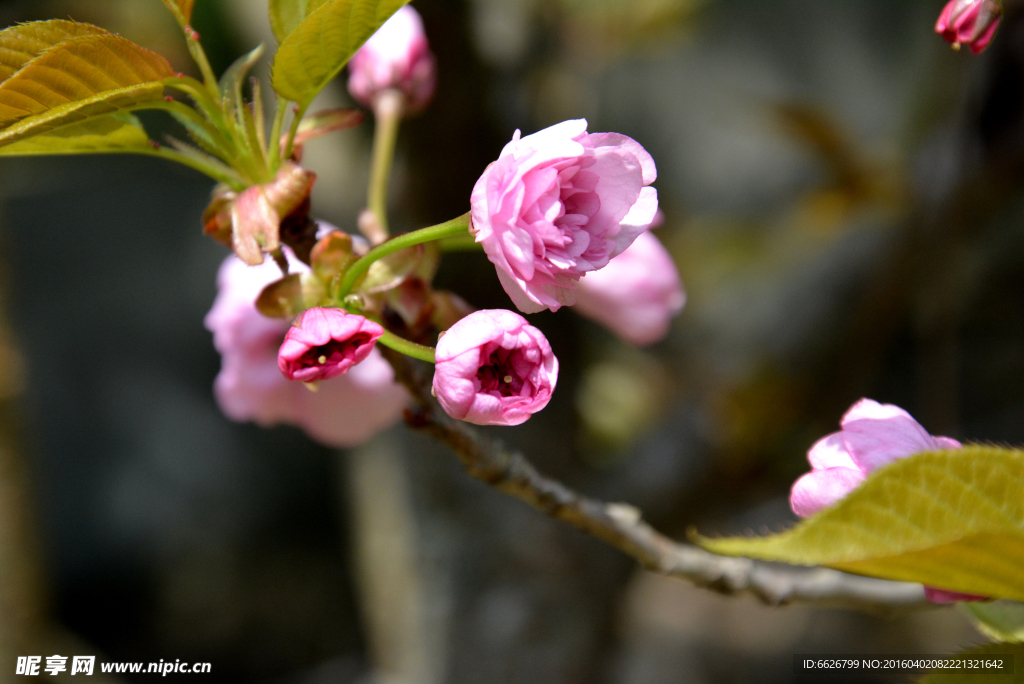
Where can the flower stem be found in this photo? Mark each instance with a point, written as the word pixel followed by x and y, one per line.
pixel 404 346
pixel 296 120
pixel 453 228
pixel 275 134
pixel 195 48
pixel 387 110
pixel 460 243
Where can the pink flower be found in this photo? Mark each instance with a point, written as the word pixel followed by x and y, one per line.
pixel 345 411
pixel 558 204
pixel 494 368
pixel 872 435
pixel 636 295
pixel 397 57
pixel 970 22
pixel 325 343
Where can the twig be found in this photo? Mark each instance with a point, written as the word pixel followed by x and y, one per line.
pixel 622 526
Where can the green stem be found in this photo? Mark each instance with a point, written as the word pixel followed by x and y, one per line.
pixel 404 346
pixel 460 243
pixel 223 175
pixel 275 134
pixel 387 110
pixel 195 48
pixel 456 226
pixel 300 111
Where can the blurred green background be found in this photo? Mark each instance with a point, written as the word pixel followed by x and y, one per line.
pixel 843 197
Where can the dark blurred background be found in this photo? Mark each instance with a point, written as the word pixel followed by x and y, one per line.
pixel 843 198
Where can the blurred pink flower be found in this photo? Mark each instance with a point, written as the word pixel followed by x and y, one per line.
pixel 324 343
pixel 636 295
pixel 970 22
pixel 560 203
pixel 397 57
pixel 872 435
pixel 494 368
pixel 346 410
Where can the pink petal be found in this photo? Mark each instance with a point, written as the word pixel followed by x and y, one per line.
pixel 822 488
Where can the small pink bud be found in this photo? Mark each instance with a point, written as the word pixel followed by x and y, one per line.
pixel 325 343
pixel 396 57
pixel 872 435
pixel 560 203
pixel 494 368
pixel 970 22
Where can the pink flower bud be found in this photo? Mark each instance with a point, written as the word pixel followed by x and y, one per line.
pixel 970 22
pixel 558 204
pixel 397 57
pixel 872 435
pixel 494 368
pixel 346 410
pixel 636 295
pixel 325 343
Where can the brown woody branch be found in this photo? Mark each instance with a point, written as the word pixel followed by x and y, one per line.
pixel 622 526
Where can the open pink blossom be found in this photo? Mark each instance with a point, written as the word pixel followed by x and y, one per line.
pixel 970 22
pixel 494 368
pixel 872 435
pixel 558 204
pixel 324 343
pixel 346 410
pixel 396 57
pixel 636 295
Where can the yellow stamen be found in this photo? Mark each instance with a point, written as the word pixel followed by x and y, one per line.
pixel 508 379
pixel 322 359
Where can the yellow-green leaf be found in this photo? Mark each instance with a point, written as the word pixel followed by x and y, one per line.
pixel 322 44
pixel 181 9
pixel 79 80
pixel 114 133
pixel 286 15
pixel 979 674
pixel 950 519
pixel 1001 620
pixel 24 42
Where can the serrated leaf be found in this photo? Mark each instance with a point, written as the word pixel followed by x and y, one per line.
pixel 314 53
pixel 950 519
pixel 286 15
pixel 22 43
pixel 233 79
pixel 114 133
pixel 181 9
pixel 982 675
pixel 79 80
pixel 1001 620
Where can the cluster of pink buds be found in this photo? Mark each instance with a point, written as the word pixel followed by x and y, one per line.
pixel 970 22
pixel 563 214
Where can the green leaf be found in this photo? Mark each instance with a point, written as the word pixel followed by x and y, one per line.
pixel 79 80
pixel 181 9
pixel 22 43
pixel 233 79
pixel 1001 620
pixel 328 121
pixel 950 519
pixel 980 675
pixel 114 133
pixel 323 43
pixel 286 15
